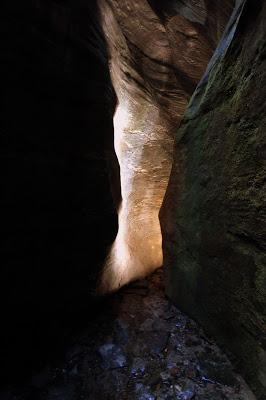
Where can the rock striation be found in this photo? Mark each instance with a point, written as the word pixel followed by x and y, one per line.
pixel 158 53
pixel 213 215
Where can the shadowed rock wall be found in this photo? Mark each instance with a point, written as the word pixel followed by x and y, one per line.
pixel 58 216
pixel 213 215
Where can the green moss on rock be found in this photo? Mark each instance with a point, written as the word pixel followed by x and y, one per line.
pixel 214 212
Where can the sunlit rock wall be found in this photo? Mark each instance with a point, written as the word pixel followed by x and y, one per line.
pixel 158 53
pixel 213 216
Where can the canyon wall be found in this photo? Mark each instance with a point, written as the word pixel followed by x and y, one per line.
pixel 213 214
pixel 58 216
pixel 158 53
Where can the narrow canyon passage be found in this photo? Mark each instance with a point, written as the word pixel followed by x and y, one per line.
pixel 133 214
pixel 154 71
pixel 139 347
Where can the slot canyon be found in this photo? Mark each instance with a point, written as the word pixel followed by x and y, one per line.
pixel 133 210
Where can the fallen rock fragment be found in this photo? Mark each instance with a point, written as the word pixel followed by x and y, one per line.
pixel 112 356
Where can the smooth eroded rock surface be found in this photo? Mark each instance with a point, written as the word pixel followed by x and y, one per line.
pixel 158 53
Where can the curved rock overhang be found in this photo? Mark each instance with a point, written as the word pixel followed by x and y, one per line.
pixel 158 53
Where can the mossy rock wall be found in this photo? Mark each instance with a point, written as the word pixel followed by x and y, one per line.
pixel 213 216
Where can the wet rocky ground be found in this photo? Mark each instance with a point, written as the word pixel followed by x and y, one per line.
pixel 140 347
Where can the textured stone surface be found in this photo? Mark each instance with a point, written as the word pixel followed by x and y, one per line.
pixel 158 53
pixel 213 216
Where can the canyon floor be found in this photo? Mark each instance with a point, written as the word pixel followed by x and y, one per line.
pixel 139 347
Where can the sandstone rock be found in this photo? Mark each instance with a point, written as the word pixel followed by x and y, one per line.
pixel 158 53
pixel 213 216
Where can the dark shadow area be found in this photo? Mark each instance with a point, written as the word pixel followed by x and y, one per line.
pixel 58 216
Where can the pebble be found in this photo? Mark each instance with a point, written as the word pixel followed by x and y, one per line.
pixel 160 354
pixel 138 366
pixel 112 356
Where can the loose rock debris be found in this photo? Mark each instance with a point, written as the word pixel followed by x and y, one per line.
pixel 140 347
